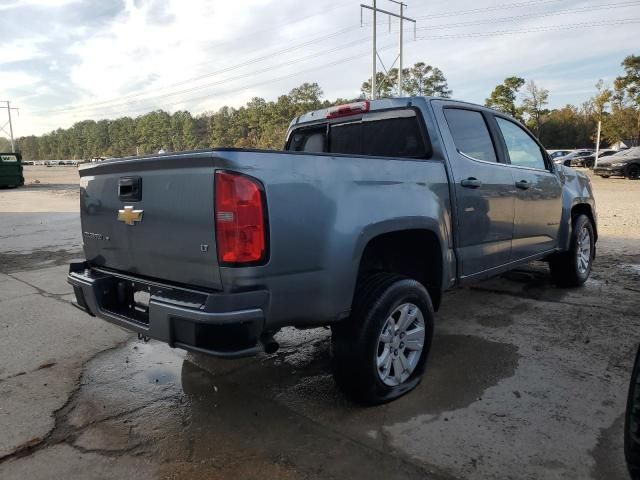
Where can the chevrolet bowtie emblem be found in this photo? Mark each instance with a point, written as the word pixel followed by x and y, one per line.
pixel 130 216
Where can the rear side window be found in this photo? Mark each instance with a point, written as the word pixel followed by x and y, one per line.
pixel 523 150
pixel 311 140
pixel 390 137
pixel 470 133
pixel 383 134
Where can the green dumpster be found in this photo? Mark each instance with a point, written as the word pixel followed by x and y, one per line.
pixel 11 170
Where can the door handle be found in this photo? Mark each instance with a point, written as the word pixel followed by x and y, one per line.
pixel 471 182
pixel 523 185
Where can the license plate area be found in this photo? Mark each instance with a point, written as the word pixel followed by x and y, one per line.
pixel 129 299
pixel 141 300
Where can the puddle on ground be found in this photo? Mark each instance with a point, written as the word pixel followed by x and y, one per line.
pixel 271 416
pixel 631 268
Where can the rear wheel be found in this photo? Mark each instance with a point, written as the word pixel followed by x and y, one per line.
pixel 572 268
pixel 633 172
pixel 379 354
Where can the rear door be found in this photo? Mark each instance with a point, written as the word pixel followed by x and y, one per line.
pixel 538 206
pixel 483 188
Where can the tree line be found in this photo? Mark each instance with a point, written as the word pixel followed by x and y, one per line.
pixel 258 124
pixel 616 107
pixel 263 124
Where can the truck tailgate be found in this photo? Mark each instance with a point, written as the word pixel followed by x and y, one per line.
pixel 165 231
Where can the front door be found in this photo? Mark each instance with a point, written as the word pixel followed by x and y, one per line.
pixel 483 190
pixel 538 206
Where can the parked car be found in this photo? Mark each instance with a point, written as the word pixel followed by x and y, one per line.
pixel 590 160
pixel 11 170
pixel 558 153
pixel 373 210
pixel 575 156
pixel 625 163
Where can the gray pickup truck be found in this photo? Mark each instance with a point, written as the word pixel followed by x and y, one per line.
pixel 371 212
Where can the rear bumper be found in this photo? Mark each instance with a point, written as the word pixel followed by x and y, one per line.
pixel 610 171
pixel 218 324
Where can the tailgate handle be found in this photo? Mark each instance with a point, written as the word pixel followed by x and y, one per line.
pixel 130 189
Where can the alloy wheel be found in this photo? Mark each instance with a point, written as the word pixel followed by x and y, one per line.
pixel 400 344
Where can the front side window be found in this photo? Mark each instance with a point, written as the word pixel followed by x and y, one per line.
pixel 523 150
pixel 470 133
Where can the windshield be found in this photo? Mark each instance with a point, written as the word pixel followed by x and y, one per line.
pixel 630 152
pixel 8 158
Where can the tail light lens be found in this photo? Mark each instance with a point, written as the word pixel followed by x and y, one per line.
pixel 240 219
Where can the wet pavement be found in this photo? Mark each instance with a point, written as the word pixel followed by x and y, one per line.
pixel 524 381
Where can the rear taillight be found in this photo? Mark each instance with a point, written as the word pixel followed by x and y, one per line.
pixel 240 219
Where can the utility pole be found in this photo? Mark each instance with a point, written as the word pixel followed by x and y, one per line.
pixel 3 128
pixel 402 5
pixel 374 66
pixel 595 162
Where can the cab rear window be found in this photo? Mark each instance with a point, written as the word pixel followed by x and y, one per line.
pixel 4 158
pixel 383 134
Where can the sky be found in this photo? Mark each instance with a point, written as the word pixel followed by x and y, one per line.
pixel 63 61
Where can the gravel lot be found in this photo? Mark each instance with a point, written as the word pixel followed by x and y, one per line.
pixel 524 381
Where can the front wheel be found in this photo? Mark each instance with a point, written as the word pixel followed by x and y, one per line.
pixel 573 267
pixel 379 354
pixel 633 172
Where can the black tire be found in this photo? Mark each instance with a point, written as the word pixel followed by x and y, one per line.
pixel 605 176
pixel 355 342
pixel 565 268
pixel 633 172
pixel 632 423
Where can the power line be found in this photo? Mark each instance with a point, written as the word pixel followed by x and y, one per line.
pixel 494 8
pixel 354 57
pixel 218 82
pixel 530 15
pixel 437 37
pixel 273 53
pixel 119 101
pixel 252 85
pixel 210 74
pixel 533 30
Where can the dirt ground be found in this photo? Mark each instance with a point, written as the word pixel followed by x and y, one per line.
pixel 524 380
pixel 47 189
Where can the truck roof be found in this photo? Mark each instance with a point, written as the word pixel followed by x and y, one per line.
pixel 380 104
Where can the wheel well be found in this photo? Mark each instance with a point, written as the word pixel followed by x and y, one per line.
pixel 413 253
pixel 585 209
